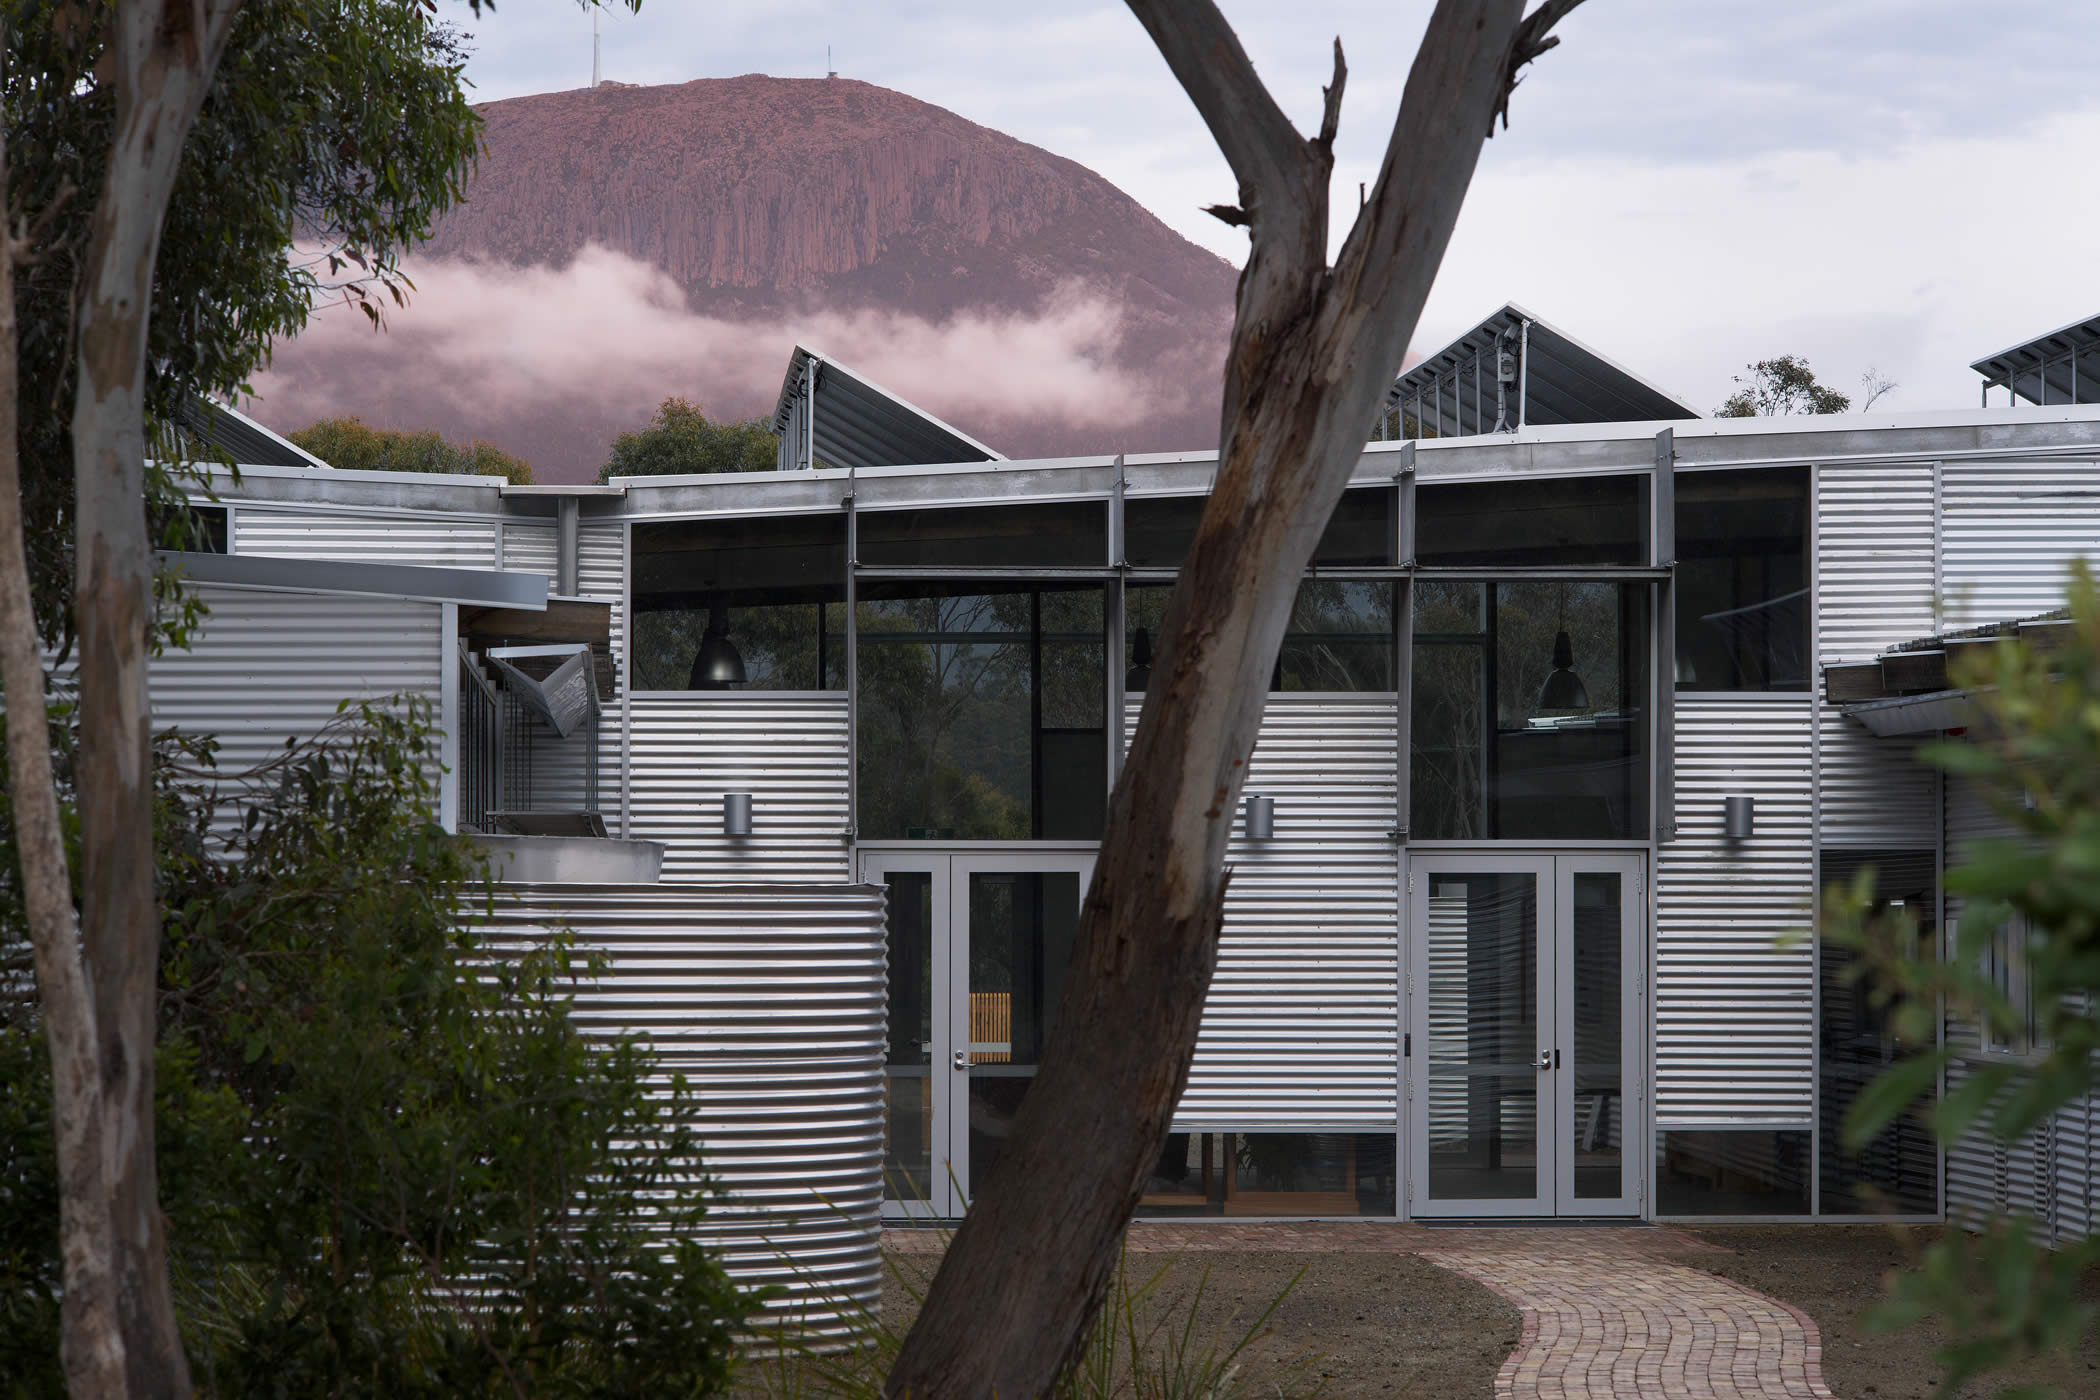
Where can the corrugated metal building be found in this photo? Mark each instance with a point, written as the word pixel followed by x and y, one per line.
pixel 1522 920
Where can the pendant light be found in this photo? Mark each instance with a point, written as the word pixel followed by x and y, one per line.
pixel 719 665
pixel 1139 676
pixel 1563 690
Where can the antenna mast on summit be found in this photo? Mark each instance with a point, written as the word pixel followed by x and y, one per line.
pixel 594 46
pixel 829 71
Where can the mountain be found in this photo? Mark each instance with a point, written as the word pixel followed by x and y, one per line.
pixel 619 244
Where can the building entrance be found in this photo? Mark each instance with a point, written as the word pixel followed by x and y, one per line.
pixel 978 946
pixel 1524 1070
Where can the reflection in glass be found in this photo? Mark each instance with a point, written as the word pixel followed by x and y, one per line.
pixel 1489 760
pixel 1742 580
pixel 1157 531
pixel 1022 927
pixel 1273 1174
pixel 1340 637
pixel 1600 1103
pixel 777 585
pixel 981 712
pixel 907 1163
pixel 1047 534
pixel 1731 1172
pixel 1899 1172
pixel 1542 523
pixel 1483 1076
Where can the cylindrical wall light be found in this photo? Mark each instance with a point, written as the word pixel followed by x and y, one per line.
pixel 1261 817
pixel 736 814
pixel 1738 816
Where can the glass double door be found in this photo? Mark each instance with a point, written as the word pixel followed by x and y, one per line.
pixel 1525 1086
pixel 979 943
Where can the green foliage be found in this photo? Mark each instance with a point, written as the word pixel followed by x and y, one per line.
pixel 341 127
pixel 1780 386
pixel 682 439
pixel 2033 753
pixel 391 1161
pixel 350 444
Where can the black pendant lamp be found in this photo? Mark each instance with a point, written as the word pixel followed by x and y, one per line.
pixel 1139 676
pixel 1563 690
pixel 719 665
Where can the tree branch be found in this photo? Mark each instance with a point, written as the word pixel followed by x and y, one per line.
pixel 1534 36
pixel 1265 151
pixel 1331 101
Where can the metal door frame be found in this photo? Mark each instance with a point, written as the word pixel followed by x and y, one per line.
pixel 1554 872
pixel 950 869
pixel 1541 868
pixel 962 864
pixel 1631 868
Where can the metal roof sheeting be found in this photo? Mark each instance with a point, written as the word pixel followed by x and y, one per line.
pixel 2062 366
pixel 857 423
pixel 221 429
pixel 1564 381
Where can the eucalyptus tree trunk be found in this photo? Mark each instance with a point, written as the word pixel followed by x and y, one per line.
pixel 1314 349
pixel 161 57
pixel 91 1341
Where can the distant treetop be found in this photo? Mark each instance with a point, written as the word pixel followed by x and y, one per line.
pixel 682 439
pixel 353 445
pixel 1781 386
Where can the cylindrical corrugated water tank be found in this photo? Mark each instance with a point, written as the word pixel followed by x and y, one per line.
pixel 772 1001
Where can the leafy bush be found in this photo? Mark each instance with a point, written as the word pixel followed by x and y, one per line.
pixel 392 1163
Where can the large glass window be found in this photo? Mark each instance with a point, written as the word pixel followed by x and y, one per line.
pixel 1547 522
pixel 1899 1172
pixel 1054 534
pixel 740 604
pixel 1157 531
pixel 1742 580
pixel 1529 711
pixel 1731 1171
pixel 1341 636
pixel 981 711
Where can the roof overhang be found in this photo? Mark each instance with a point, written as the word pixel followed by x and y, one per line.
pixel 1563 380
pixel 854 422
pixel 1934 713
pixel 2062 366
pixel 483 588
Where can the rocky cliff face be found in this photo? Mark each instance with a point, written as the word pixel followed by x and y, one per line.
pixel 778 204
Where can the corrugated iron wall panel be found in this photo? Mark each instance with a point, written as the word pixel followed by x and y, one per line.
pixel 1734 1023
pixel 1874 791
pixel 267 667
pixel 1301 1028
pixel 406 538
pixel 772 1002
pixel 2011 530
pixel 787 750
pixel 1874 558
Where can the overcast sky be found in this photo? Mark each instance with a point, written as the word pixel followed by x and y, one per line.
pixel 1902 184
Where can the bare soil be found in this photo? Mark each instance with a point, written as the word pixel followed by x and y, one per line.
pixel 1383 1326
pixel 1835 1273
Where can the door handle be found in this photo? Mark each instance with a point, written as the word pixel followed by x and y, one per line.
pixel 962 1059
pixel 1545 1059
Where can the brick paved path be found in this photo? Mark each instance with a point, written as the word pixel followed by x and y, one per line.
pixel 1609 1313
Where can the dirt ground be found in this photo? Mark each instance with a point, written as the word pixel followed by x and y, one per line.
pixel 1834 1274
pixel 1383 1326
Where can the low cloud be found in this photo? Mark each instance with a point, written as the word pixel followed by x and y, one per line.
pixel 549 362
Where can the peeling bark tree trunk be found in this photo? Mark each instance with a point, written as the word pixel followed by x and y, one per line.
pixel 91 1343
pixel 162 54
pixel 1313 352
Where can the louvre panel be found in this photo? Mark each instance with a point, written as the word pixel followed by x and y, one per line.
pixel 1874 558
pixel 787 751
pixel 2011 531
pixel 1733 1010
pixel 1874 791
pixel 1301 1026
pixel 407 538
pixel 267 667
pixel 772 1002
